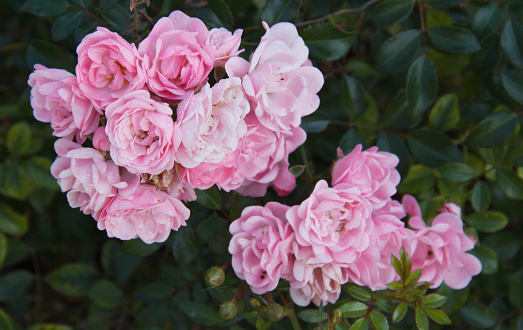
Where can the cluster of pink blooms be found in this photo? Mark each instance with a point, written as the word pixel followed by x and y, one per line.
pixel 347 233
pixel 140 127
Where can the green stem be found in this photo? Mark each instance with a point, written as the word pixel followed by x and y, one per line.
pixel 294 321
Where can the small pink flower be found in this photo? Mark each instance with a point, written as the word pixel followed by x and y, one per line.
pixel 142 133
pixel 261 246
pixel 372 171
pixel 176 59
pixel 56 99
pixel 107 67
pixel 146 212
pixel 451 208
pixel 100 139
pixel 224 45
pixel 440 250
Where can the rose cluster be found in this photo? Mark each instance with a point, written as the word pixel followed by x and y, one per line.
pixel 141 127
pixel 348 233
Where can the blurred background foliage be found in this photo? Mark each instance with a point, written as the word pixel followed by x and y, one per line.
pixel 437 82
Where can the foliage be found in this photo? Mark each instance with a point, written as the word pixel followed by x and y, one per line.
pixel 437 82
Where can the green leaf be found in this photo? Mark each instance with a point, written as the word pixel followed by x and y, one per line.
pixel 479 315
pixel 506 245
pixel 443 4
pixel 19 138
pixel 327 42
pixel 105 294
pixel 136 247
pixel 311 125
pixel 392 143
pixel 65 25
pixel 400 312
pixel 513 83
pixel 45 7
pixel 395 285
pixel 422 86
pixel 360 324
pixel 273 10
pixel 397 265
pixel 486 21
pixel 216 14
pixel 438 316
pixel 210 227
pixel 11 222
pixel 512 42
pixel 419 179
pixel 14 284
pixel 421 319
pixel 488 221
pixel 397 51
pixel 39 170
pixel 354 309
pixel 390 12
pixel 457 172
pixel 433 300
pixel 493 130
pixel 116 264
pixel 185 248
pixel 201 313
pixel 356 291
pixel 515 293
pixel 487 257
pixel 510 183
pixel 3 248
pixel 209 198
pixel 154 291
pixel 406 263
pixel 5 321
pixel 453 39
pixel 351 139
pixel 49 326
pixel 379 320
pixel 433 148
pixel 73 280
pixel 413 278
pixel 310 315
pixel 352 97
pixel 480 196
pixel 445 113
pixel 56 54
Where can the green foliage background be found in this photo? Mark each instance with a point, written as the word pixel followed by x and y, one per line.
pixel 437 82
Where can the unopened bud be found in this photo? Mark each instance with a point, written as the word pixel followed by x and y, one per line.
pixel 336 318
pixel 275 312
pixel 255 303
pixel 228 310
pixel 214 276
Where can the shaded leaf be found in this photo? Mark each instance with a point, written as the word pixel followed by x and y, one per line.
pixel 487 257
pixel 422 86
pixel 433 148
pixel 327 42
pixel 513 83
pixel 390 12
pixel 5 321
pixel 45 7
pixel 392 143
pixel 185 248
pixel 512 42
pixel 445 113
pixel 14 284
pixel 11 222
pixel 351 139
pixel 397 51
pixel 487 20
pixel 453 39
pixel 488 221
pixel 210 198
pixel 360 324
pixel 73 280
pixel 479 315
pixel 310 315
pixel 510 183
pixel 493 130
pixel 400 312
pixel 352 97
pixel 201 313
pixel 457 172
pixel 136 247
pixel 354 309
pixel 218 14
pixel 65 25
pixel 4 245
pixel 105 294
pixel 357 292
pixel 19 138
pixel 480 196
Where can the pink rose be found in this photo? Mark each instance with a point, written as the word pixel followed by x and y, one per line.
pixel 142 133
pixel 90 179
pixel 176 61
pixel 261 246
pixel 146 212
pixel 190 24
pixel 211 123
pixel 372 171
pixel 224 45
pixel 100 139
pixel 107 67
pixel 451 208
pixel 175 181
pixel 56 99
pixel 335 222
pixel 440 250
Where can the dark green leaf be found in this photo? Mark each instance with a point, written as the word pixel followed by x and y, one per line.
pixel 397 265
pixel 400 312
pixel 3 248
pixel 433 148
pixel 455 298
pixel 487 20
pixel 479 315
pixel 361 324
pixel 457 172
pixel 513 83
pixel 422 86
pixel 516 290
pixel 327 42
pixel 419 179
pixel 386 305
pixel 273 10
pixel 392 143
pixel 116 264
pixel 488 221
pixel 488 258
pixel 56 54
pixel 510 183
pixel 480 196
pixel 397 51
pixel 445 113
pixel 14 284
pixel 356 291
pixel 5 321
pixel 65 25
pixel 154 291
pixel 453 39
pixel 210 227
pixel 39 170
pixel 512 42
pixel 314 126
pixel 413 278
pixel 45 7
pixel 105 294
pixel 136 247
pixel 433 300
pixel 443 4
pixel 19 138
pixel 493 130
pixel 201 313
pixel 421 319
pixel 506 245
pixel 209 198
pixel 354 309
pixel 73 280
pixel 350 139
pixel 216 14
pixel 379 320
pixel 395 285
pixel 185 248
pixel 11 222
pixel 310 315
pixel 390 12
pixel 438 316
pixel 352 97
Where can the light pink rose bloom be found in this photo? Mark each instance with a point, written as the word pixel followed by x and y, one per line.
pixel 279 80
pixel 146 212
pixel 174 181
pixel 391 207
pixel 320 284
pixel 224 45
pixel 335 222
pixel 108 67
pixel 211 123
pixel 261 246
pixel 451 208
pixel 372 171
pixel 90 179
pixel 176 59
pixel 440 249
pixel 56 99
pixel 100 139
pixel 142 133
